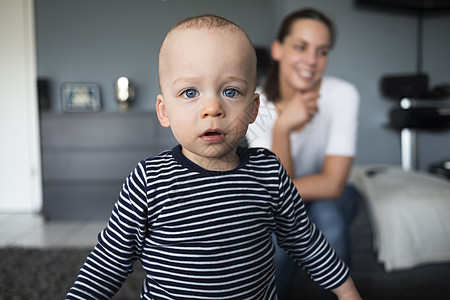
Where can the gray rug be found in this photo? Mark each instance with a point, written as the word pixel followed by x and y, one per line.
pixel 48 274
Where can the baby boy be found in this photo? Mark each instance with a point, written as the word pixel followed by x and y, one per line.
pixel 200 217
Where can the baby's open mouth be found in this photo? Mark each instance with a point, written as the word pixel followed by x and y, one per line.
pixel 213 136
pixel 212 133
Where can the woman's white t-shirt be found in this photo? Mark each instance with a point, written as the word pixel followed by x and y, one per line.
pixel 332 131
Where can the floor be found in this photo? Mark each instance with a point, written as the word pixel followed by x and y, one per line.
pixel 31 230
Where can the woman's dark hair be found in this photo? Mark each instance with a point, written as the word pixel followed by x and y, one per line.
pixel 271 87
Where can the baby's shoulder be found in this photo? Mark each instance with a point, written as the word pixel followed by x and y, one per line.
pixel 159 162
pixel 261 153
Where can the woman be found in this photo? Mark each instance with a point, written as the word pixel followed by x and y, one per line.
pixel 310 121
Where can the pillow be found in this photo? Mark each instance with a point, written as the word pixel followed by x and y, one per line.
pixel 409 213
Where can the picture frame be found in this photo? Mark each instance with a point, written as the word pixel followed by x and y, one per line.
pixel 81 97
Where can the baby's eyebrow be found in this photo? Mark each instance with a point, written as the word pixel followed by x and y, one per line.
pixel 185 79
pixel 237 79
pixel 197 79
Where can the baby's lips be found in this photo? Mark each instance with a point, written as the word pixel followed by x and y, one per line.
pixel 212 132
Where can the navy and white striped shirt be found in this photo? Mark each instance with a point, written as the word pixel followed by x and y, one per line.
pixel 204 234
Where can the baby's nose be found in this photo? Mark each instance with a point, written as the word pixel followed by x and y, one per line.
pixel 212 107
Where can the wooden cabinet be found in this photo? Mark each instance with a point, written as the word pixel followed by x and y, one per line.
pixel 86 157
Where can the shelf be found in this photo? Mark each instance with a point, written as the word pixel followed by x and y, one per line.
pixel 86 157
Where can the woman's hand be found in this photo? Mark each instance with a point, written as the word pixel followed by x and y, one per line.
pixel 292 116
pixel 298 111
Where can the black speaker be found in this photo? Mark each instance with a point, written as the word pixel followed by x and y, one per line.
pixel 405 86
pixel 432 118
pixel 424 5
pixel 43 86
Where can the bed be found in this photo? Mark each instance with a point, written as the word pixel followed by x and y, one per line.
pixel 409 212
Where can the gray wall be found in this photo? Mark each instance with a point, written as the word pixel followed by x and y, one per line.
pixel 98 41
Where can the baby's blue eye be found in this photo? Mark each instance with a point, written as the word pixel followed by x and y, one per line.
pixel 190 93
pixel 230 93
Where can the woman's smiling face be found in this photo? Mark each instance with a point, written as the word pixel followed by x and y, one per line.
pixel 302 55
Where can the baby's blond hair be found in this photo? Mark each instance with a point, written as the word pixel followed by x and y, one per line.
pixel 209 22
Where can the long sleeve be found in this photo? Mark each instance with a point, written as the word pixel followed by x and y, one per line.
pixel 119 244
pixel 303 241
pixel 205 235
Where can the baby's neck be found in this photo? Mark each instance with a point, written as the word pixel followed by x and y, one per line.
pixel 220 164
pixel 222 168
pixel 227 162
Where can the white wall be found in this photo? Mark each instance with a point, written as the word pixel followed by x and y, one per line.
pixel 20 171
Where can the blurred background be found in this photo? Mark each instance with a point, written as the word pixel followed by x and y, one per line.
pixel 67 142
pixel 95 42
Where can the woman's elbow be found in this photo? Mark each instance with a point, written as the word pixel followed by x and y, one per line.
pixel 337 189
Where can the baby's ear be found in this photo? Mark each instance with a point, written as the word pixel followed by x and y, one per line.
pixel 162 112
pixel 255 108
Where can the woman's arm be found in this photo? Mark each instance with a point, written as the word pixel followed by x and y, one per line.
pixel 329 183
pixel 293 116
pixel 281 145
pixel 332 179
